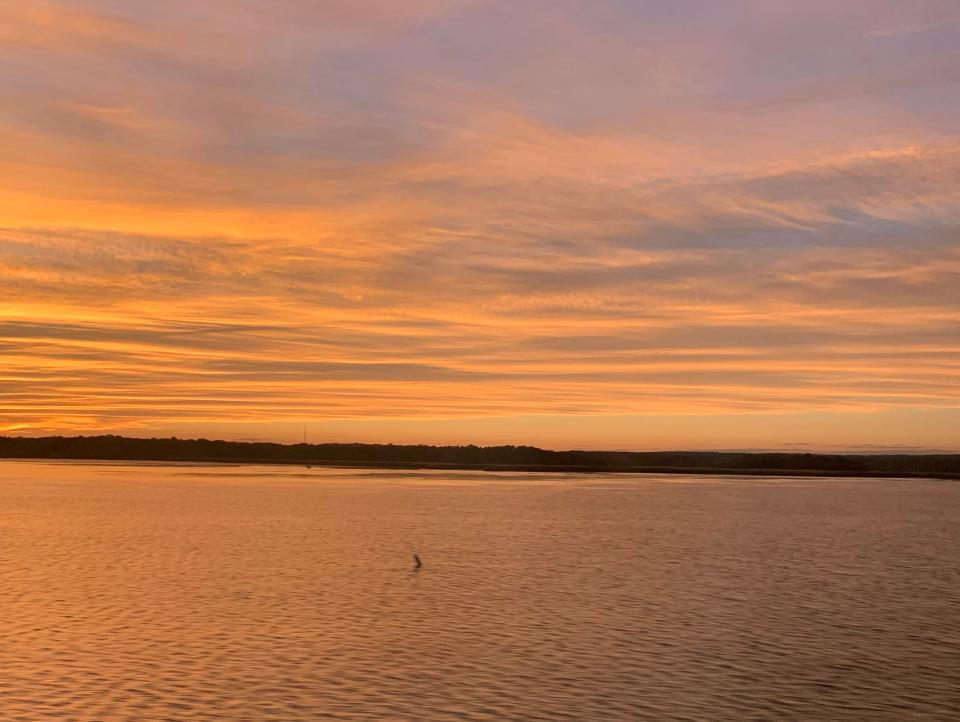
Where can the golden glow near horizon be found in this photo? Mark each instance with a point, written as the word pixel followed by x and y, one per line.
pixel 600 224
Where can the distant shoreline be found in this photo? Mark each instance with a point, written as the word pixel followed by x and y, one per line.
pixel 531 468
pixel 477 458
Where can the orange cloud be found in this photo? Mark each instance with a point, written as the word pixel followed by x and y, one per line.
pixel 225 218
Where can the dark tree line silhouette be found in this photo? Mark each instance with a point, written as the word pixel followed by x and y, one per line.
pixel 111 447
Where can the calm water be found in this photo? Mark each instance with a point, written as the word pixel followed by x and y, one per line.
pixel 151 592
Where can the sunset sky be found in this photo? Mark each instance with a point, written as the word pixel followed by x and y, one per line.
pixel 631 224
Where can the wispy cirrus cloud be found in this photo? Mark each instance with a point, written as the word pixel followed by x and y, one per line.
pixel 226 217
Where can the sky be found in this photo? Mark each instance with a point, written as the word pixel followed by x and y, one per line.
pixel 608 224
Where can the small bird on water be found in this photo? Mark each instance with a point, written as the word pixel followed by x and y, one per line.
pixel 416 561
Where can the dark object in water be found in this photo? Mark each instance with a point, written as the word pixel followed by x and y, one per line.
pixel 416 561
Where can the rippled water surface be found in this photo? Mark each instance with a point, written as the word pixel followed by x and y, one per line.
pixel 155 592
